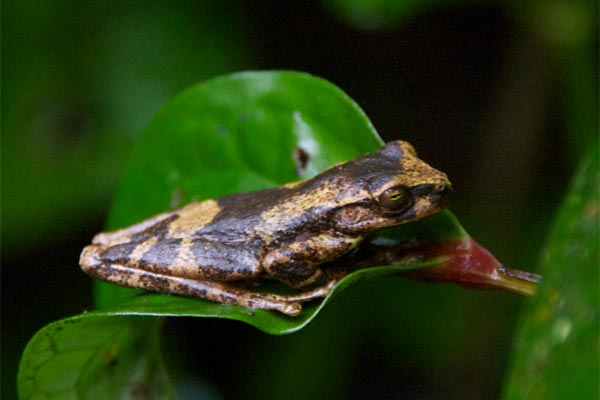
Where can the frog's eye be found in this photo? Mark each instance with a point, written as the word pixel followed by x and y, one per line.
pixel 396 199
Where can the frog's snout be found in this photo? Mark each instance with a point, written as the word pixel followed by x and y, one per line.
pixel 432 197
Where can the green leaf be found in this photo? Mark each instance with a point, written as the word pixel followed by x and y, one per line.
pixel 556 352
pixel 91 356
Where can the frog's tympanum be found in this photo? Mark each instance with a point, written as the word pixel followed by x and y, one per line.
pixel 285 233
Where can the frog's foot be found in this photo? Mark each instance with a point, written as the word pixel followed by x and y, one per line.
pixel 317 293
pixel 287 304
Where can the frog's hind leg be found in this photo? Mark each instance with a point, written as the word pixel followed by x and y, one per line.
pixel 214 291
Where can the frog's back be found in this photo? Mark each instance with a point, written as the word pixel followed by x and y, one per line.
pixel 240 214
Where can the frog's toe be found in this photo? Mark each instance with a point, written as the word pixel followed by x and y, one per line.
pixel 293 309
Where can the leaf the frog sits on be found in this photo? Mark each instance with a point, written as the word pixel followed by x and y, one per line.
pixel 285 233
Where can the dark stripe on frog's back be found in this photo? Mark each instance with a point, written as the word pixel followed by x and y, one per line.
pixel 242 211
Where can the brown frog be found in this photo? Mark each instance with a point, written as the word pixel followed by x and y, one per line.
pixel 206 248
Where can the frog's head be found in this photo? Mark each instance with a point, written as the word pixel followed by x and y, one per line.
pixel 396 187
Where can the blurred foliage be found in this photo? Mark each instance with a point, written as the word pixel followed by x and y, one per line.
pixel 84 80
pixel 556 352
pixel 569 30
pixel 486 91
pixel 381 14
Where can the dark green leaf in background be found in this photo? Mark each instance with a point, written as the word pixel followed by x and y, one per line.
pixel 381 14
pixel 557 349
pixel 84 80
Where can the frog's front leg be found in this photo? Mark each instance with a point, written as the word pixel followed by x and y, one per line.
pixel 298 264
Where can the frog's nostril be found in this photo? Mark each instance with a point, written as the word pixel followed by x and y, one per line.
pixel 440 188
pixel 443 190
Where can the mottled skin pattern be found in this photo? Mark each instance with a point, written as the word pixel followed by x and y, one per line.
pixel 285 233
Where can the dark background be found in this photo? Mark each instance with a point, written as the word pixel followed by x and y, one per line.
pixel 502 99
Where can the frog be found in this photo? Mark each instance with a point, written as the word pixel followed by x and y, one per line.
pixel 212 249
